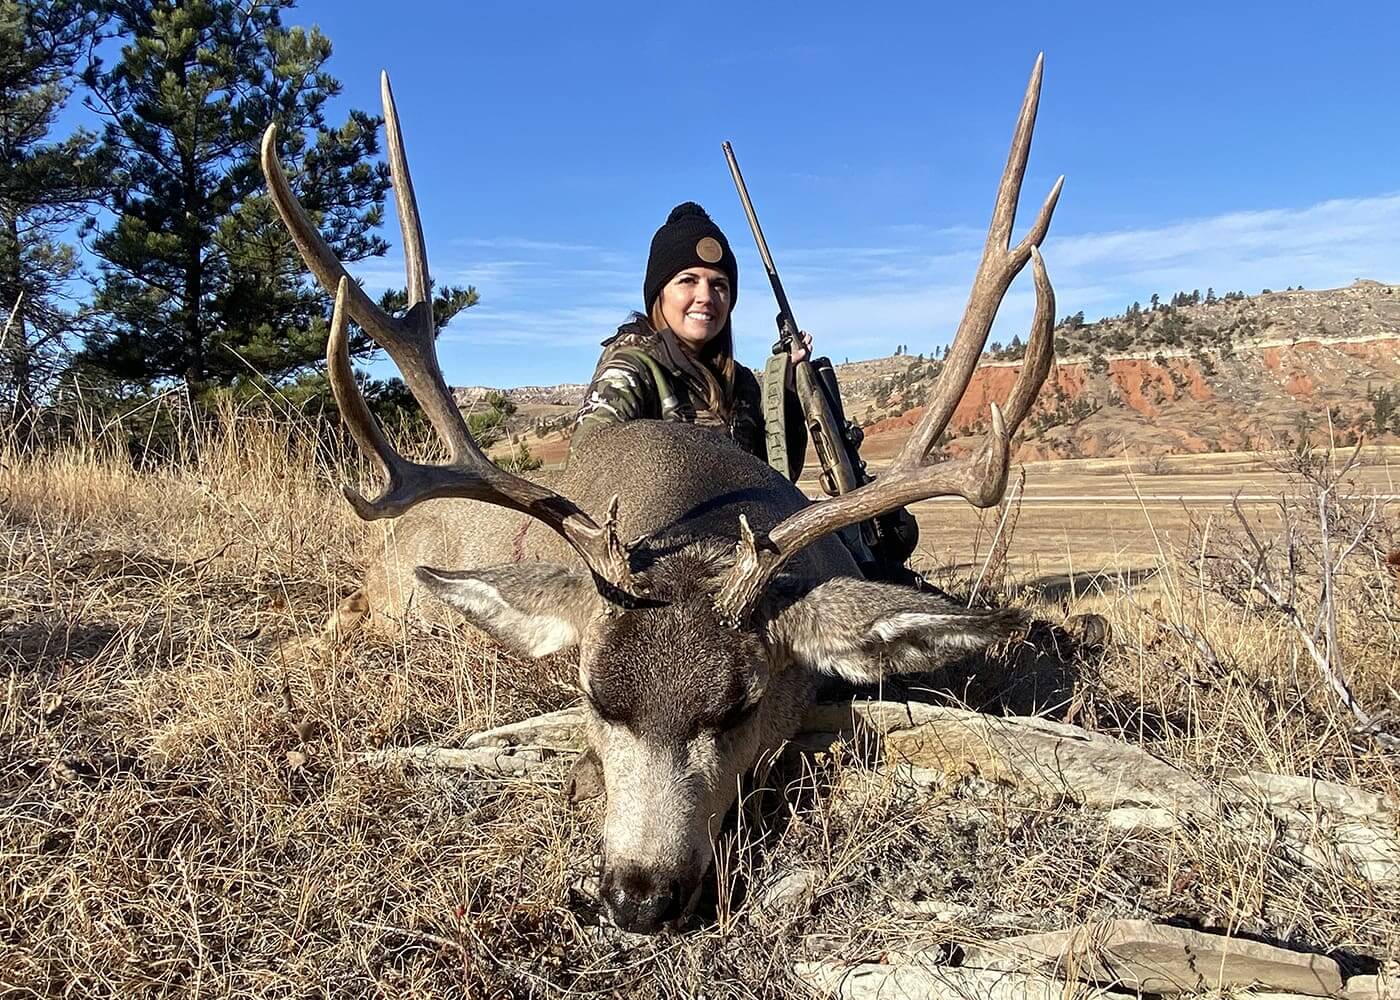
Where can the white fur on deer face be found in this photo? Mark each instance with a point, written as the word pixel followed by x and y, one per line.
pixel 664 804
pixel 674 695
pixel 681 701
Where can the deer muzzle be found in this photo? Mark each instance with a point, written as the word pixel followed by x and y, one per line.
pixel 642 901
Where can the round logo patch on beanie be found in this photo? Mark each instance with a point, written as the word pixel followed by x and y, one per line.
pixel 709 250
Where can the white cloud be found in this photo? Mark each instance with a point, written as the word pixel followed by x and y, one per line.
pixel 556 301
pixel 916 297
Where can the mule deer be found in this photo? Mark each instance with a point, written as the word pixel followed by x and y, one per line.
pixel 703 592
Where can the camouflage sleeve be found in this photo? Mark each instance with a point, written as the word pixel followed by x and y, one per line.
pixel 622 389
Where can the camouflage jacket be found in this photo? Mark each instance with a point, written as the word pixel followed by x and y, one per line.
pixel 645 375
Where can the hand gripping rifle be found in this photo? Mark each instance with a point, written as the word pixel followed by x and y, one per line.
pixel 886 541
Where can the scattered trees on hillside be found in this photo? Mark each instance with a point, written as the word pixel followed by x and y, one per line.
pixel 1174 323
pixel 488 426
pixel 487 423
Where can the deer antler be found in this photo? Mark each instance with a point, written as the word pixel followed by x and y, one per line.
pixel 980 478
pixel 411 343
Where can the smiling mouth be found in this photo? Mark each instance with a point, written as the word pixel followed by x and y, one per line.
pixel 700 317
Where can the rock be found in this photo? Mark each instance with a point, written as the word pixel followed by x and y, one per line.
pixel 789 896
pixel 1381 987
pixel 1289 791
pixel 915 979
pixel 1137 819
pixel 1053 759
pixel 1324 819
pixel 498 761
pixel 561 730
pixel 585 778
pixel 1153 958
pixel 1322 822
pixel 514 750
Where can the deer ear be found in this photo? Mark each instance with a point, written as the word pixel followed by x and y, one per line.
pixel 863 631
pixel 532 608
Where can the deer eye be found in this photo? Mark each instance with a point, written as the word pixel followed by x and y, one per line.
pixel 737 715
pixel 609 713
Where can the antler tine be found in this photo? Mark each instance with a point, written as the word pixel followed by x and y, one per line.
pixel 415 250
pixel 319 257
pixel 980 478
pixel 1000 264
pixel 410 342
pixel 1040 350
pixel 353 410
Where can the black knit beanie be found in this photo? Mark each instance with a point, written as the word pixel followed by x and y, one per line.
pixel 689 238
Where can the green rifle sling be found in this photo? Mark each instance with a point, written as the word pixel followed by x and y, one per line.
pixel 775 412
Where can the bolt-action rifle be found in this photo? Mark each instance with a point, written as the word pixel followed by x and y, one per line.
pixel 885 542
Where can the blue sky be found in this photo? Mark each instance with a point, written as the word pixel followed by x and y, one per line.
pixel 1223 145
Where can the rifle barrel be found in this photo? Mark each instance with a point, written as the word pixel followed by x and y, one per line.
pixel 783 308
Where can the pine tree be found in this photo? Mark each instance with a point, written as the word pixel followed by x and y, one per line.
pixel 44 186
pixel 1383 409
pixel 200 280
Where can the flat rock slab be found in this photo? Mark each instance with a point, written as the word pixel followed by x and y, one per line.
pixel 1381 987
pixel 561 732
pixel 1323 822
pixel 1324 818
pixel 917 981
pixel 1048 757
pixel 516 750
pixel 790 895
pixel 1154 958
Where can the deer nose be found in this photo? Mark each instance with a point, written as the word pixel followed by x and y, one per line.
pixel 640 902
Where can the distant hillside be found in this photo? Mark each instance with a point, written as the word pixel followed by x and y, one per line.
pixel 1201 373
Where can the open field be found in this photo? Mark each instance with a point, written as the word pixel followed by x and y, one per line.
pixel 185 808
pixel 1096 517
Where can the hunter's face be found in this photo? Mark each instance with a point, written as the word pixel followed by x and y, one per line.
pixel 695 304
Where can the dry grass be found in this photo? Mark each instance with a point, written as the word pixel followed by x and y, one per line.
pixel 181 809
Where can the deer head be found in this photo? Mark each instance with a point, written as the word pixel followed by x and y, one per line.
pixel 694 652
pixel 682 699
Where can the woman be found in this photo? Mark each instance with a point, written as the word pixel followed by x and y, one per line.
pixel 676 360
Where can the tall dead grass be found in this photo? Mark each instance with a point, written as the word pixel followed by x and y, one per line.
pixel 183 810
